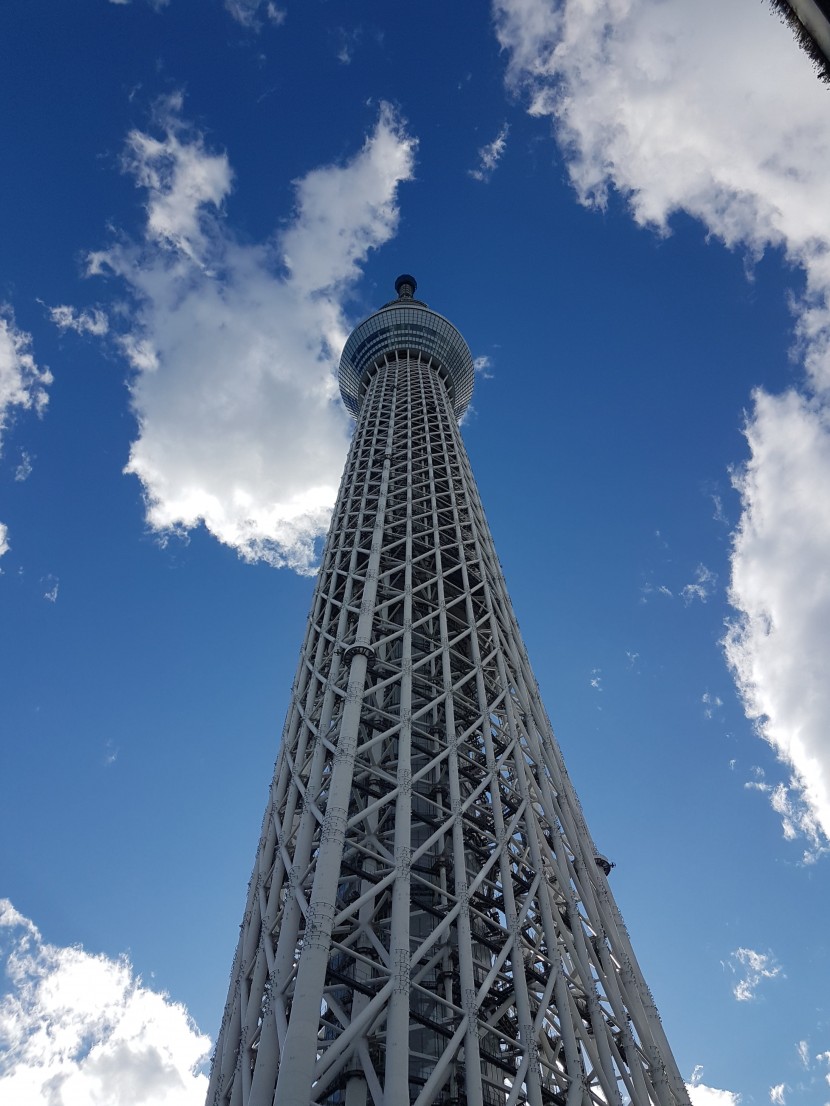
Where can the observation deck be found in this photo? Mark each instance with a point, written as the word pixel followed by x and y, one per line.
pixel 406 324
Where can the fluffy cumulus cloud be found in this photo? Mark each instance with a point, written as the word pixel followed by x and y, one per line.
pixel 233 345
pixel 665 104
pixel 702 1095
pixel 778 647
pixel 76 1028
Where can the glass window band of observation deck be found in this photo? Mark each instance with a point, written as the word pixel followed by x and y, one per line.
pixel 403 327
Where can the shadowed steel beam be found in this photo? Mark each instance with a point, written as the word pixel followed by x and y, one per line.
pixel 810 22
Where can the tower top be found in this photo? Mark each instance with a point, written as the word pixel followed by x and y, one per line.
pixel 406 324
pixel 405 286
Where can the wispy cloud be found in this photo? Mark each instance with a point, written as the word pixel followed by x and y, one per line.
pixel 23 386
pixel 79 1027
pixel 754 968
pixel 651 101
pixel 798 817
pixel 66 318
pixel 348 39
pixel 490 155
pixel 719 515
pixel 24 468
pixel 252 13
pixel 52 585
pixel 701 586
pixel 777 1094
pixel 23 383
pixel 157 4
pixel 233 345
pixel 711 703
pixel 649 588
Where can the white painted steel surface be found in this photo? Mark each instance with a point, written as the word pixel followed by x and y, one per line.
pixel 427 921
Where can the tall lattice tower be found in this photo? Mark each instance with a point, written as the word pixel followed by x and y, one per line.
pixel 428 920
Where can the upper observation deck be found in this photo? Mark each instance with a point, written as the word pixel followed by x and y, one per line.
pixel 406 324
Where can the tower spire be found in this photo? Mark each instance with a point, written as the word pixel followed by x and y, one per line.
pixel 428 921
pixel 405 286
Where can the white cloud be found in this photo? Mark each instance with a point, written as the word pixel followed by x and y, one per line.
pixel 490 155
pixel 777 1094
pixel 648 588
pixel 66 318
pixel 181 180
pixel 701 587
pixel 157 4
pixel 23 383
pixel 596 679
pixel 52 585
pixel 803 1050
pixel 248 12
pixel 654 101
pixel 4 539
pixel 484 367
pixel 779 644
pixel 24 469
pixel 711 703
pixel 797 816
pixel 701 1095
pixel 754 967
pixel 81 1028
pixel 348 39
pixel 234 345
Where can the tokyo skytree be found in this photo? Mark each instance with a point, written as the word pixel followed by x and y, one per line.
pixel 428 920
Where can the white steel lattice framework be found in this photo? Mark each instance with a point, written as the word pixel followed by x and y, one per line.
pixel 428 920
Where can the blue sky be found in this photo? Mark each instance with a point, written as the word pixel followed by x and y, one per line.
pixel 623 208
